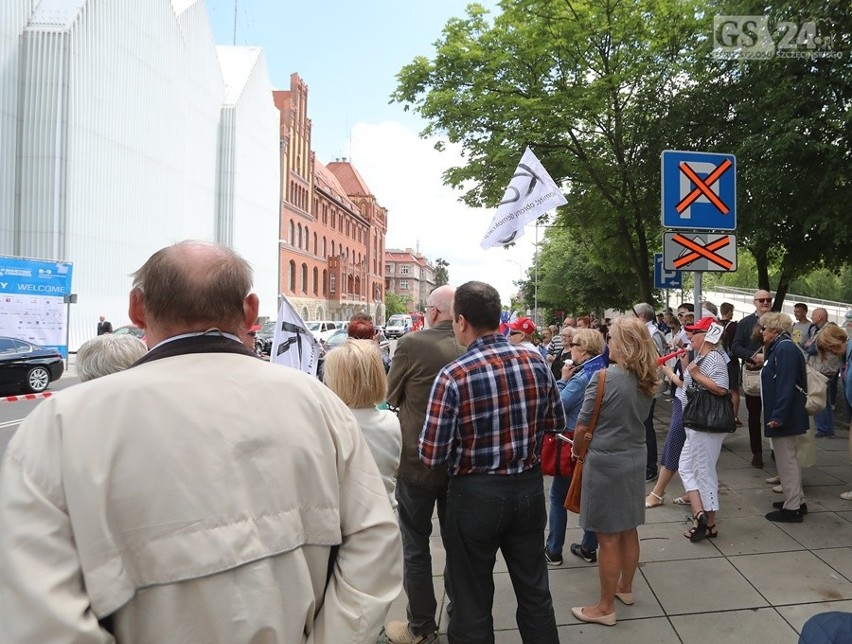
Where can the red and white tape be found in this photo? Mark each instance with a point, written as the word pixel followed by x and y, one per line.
pixel 46 394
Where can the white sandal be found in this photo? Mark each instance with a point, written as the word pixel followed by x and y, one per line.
pixel 681 500
pixel 660 500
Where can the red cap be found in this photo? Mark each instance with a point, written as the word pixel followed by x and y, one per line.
pixel 256 327
pixel 523 324
pixel 702 325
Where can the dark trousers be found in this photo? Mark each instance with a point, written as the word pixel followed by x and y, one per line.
pixel 416 505
pixel 755 426
pixel 651 443
pixel 486 513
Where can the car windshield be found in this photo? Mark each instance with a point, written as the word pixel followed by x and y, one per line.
pixel 314 326
pixel 395 321
pixel 268 328
pixel 337 338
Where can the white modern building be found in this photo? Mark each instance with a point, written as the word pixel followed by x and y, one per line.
pixel 123 128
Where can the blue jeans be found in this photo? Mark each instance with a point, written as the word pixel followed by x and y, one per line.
pixel 486 513
pixel 824 421
pixel 558 519
pixel 416 504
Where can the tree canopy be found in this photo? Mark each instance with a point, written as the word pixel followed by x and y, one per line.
pixel 598 88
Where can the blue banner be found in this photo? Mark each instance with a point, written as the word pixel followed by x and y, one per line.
pixel 32 300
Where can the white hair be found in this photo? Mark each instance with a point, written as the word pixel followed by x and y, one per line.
pixel 107 354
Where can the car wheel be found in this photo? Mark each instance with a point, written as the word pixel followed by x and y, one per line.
pixel 37 380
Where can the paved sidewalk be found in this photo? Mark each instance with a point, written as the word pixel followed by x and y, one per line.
pixel 757 581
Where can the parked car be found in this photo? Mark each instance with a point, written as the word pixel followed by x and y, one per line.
pixel 339 337
pixel 131 329
pixel 398 325
pixel 263 339
pixel 28 367
pixel 324 329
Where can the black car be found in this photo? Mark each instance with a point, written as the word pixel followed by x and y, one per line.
pixel 27 367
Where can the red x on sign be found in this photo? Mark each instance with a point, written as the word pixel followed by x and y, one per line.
pixel 706 251
pixel 702 187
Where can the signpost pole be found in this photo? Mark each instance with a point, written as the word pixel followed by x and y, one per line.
pixel 697 294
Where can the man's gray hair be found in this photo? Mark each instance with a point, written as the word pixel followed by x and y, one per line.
pixel 709 306
pixel 644 310
pixel 194 284
pixel 108 354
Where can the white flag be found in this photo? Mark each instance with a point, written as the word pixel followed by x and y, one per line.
pixel 293 345
pixel 531 192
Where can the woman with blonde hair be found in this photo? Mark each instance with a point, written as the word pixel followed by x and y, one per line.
pixel 613 499
pixel 354 371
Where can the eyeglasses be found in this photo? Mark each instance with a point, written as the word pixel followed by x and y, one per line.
pixel 763 300
pixel 516 332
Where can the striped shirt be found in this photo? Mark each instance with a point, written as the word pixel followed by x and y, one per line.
pixel 713 365
pixel 488 410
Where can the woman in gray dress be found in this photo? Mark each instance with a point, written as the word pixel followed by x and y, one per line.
pixel 613 499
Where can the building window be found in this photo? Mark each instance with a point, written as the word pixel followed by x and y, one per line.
pixel 292 236
pixel 316 280
pixel 324 248
pixel 403 285
pixel 388 269
pixel 332 283
pixel 304 278
pixel 405 269
pixel 299 233
pixel 292 276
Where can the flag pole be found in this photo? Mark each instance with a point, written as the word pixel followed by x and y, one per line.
pixel 535 284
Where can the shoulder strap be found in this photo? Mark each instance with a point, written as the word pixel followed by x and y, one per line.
pixel 594 419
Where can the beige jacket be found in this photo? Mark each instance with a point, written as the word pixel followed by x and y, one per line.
pixel 194 499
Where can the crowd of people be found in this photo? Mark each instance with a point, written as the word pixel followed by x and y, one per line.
pixel 162 495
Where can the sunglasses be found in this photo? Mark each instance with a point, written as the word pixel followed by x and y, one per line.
pixel 516 332
pixel 763 300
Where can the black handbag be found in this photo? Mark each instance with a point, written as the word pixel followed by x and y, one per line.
pixel 709 412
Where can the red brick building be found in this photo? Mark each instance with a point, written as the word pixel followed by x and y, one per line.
pixel 409 275
pixel 332 234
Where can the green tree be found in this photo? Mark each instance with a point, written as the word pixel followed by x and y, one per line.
pixel 442 275
pixel 587 85
pixel 787 120
pixel 396 303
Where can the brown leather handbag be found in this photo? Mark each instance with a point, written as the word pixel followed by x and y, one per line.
pixel 584 435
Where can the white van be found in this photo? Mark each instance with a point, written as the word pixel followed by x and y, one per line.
pixel 398 325
pixel 323 329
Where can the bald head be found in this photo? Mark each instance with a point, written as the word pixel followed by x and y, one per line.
pixel 439 305
pixel 193 286
pixel 819 316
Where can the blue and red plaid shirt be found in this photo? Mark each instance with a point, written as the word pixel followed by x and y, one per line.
pixel 489 409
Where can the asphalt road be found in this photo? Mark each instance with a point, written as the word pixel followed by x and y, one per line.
pixel 12 414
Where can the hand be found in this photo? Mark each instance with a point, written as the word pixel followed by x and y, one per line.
pixel 691 368
pixel 758 360
pixel 773 424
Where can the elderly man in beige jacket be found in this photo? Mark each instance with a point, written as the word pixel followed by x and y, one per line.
pixel 202 495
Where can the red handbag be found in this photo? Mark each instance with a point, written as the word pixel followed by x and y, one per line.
pixel 556 459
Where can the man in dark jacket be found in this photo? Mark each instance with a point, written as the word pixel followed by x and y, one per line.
pixel 417 360
pixel 745 347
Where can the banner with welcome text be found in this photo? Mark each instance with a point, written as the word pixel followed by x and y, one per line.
pixel 531 193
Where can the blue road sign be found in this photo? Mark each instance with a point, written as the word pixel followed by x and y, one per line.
pixel 699 190
pixel 663 278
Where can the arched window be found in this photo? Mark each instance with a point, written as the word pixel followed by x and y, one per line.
pixel 324 248
pixel 292 237
pixel 292 276
pixel 316 248
pixel 325 283
pixel 304 278
pixel 316 279
pixel 332 248
pixel 300 235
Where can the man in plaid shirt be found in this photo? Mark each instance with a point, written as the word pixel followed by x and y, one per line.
pixel 486 417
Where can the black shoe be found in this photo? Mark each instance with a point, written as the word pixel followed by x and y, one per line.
pixel 779 505
pixel 650 477
pixel 757 461
pixel 587 555
pixel 552 559
pixel 786 516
